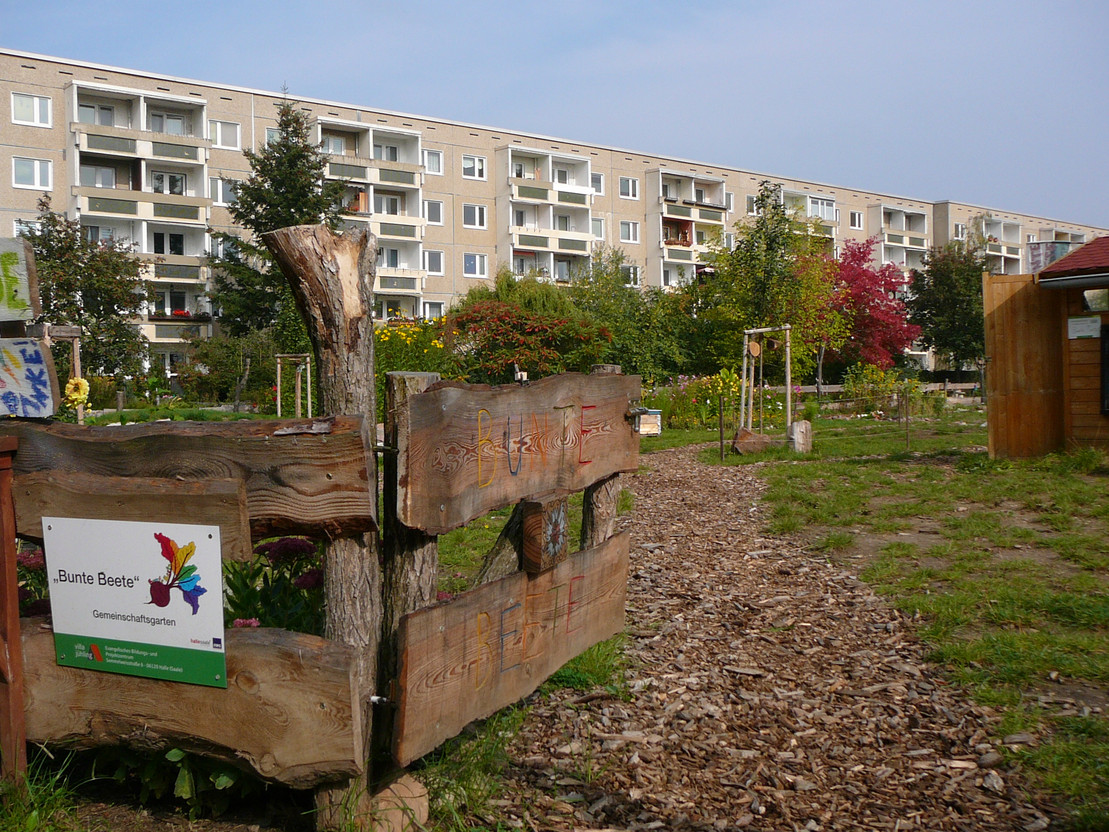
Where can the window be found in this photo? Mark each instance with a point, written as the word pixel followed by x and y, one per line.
pixel 433 261
pixel 102 114
pixel 272 134
pixel 665 190
pixel 335 145
pixel 97 176
pixel 433 211
pixel 518 170
pixel 598 182
pixel 388 204
pixel 433 162
pixel 389 258
pixel 562 271
pixel 222 191
pixel 598 227
pixel 171 123
pixel 562 176
pixel 752 207
pixel 631 275
pixel 1031 238
pixel 520 217
pixel 169 243
pixel 629 187
pixel 163 182
pixel 224 134
pixel 30 109
pixel 386 152
pixel 24 228
pixel 668 277
pixel 473 167
pixel 701 237
pixel 824 209
pixel 562 223
pixel 223 248
pixel 629 232
pixel 473 216
pixel 699 195
pixel 474 265
pixel 729 200
pixel 32 173
pixel 433 309
pixel 960 231
pixel 857 220
pixel 729 240
pixel 97 233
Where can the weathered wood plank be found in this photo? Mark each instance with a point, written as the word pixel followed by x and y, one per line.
pixel 546 522
pixel 19 288
pixel 13 732
pixel 301 476
pixel 28 380
pixel 214 502
pixel 290 711
pixel 473 448
pixel 489 647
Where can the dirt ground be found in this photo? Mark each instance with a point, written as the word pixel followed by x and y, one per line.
pixel 771 690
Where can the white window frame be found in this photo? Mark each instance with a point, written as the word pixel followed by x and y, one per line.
pixel 429 254
pixel 385 254
pixel 427 211
pixel 167 174
pixel 564 173
pixel 629 231
pixel 480 263
pixel 386 152
pixel 563 222
pixel 41 167
pixel 272 134
pixel 960 231
pixel 166 116
pixel 97 171
pixel 478 165
pixel 19 226
pixel 856 215
pixel 729 201
pixel 479 215
pixel 433 154
pixel 426 307
pixel 822 208
pixel 594 179
pixel 38 102
pixel 219 189
pixel 218 130
pixel 631 185
pixel 631 274
pixel 752 205
pixel 383 202
pixel 595 224
pixel 333 145
pixel 98 110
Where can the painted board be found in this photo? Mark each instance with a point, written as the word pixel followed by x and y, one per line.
pixel 19 293
pixel 487 648
pixel 465 450
pixel 28 383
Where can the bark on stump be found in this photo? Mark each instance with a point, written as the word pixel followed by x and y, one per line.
pixel 332 277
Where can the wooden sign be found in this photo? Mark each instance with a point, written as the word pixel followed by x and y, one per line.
pixel 290 710
pixel 28 384
pixel 465 450
pixel 465 659
pixel 546 532
pixel 301 476
pixel 19 291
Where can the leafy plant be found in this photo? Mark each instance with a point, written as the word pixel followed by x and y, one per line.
pixel 281 587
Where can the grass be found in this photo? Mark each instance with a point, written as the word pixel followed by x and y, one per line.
pixel 43 802
pixel 1006 564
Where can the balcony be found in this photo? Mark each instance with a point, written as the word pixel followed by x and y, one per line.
pixel 397 226
pixel 142 205
pixel 905 241
pixel 531 190
pixel 394 281
pixel 176 268
pixel 168 329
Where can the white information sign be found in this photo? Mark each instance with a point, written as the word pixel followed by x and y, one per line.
pixel 1084 327
pixel 143 599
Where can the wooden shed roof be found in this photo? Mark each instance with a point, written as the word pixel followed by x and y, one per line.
pixel 1090 259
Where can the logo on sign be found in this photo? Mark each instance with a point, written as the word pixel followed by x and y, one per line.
pixel 180 574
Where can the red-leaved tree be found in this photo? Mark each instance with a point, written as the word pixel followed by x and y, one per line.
pixel 880 329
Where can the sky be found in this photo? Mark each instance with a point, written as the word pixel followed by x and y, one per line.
pixel 998 104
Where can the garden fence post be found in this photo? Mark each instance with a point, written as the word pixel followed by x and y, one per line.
pixel 13 734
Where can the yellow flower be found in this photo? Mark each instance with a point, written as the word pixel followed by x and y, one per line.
pixel 76 392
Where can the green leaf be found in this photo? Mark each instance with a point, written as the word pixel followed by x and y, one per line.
pixel 183 788
pixel 223 779
pixel 175 755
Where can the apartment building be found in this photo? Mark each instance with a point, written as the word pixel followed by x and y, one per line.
pixel 153 159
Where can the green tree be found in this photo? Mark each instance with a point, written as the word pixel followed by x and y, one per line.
pixel 647 326
pixel 286 187
pixel 97 286
pixel 946 303
pixel 777 274
pixel 216 367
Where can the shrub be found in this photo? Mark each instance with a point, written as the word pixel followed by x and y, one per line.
pixel 870 387
pixel 407 346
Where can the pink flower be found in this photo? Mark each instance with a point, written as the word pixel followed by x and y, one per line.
pixel 309 580
pixel 246 622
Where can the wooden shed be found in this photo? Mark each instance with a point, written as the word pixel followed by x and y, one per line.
pixel 1047 354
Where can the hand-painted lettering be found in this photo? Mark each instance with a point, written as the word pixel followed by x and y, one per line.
pixel 519 446
pixel 583 432
pixel 567 411
pixel 505 634
pixel 9 285
pixel 571 604
pixel 482 443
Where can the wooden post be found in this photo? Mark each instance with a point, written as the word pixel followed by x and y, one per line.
pixel 77 374
pixel 598 508
pixel 13 734
pixel 297 391
pixel 410 566
pixel 332 280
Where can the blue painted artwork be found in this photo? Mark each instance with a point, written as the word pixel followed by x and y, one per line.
pixel 25 387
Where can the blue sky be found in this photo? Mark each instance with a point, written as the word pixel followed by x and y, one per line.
pixel 1001 104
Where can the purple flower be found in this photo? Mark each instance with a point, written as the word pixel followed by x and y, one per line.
pixel 285 549
pixel 246 622
pixel 32 560
pixel 443 596
pixel 309 580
